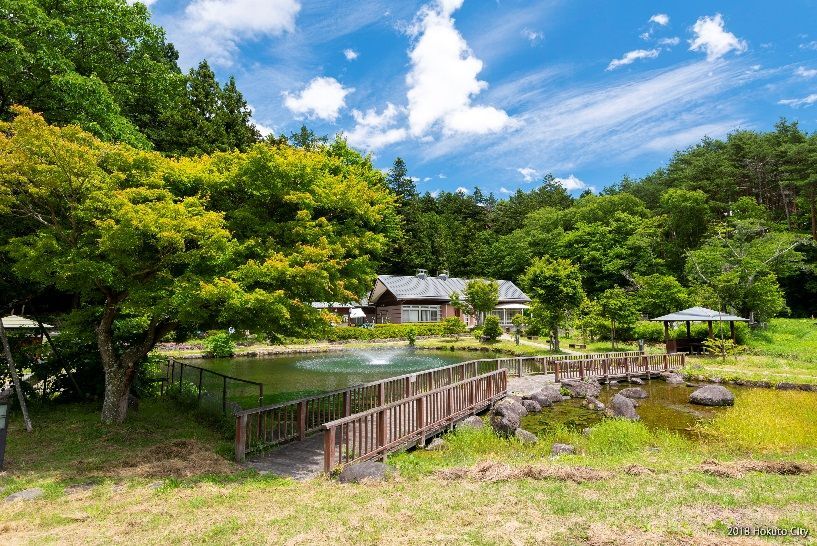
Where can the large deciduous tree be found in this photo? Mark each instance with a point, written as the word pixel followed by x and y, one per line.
pixel 556 286
pixel 479 298
pixel 146 244
pixel 619 307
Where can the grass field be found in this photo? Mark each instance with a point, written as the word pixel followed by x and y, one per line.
pixel 160 480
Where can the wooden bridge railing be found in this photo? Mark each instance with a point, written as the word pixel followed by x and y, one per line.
pixel 531 365
pixel 607 366
pixel 373 433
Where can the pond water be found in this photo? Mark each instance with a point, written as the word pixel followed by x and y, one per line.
pixel 667 407
pixel 292 376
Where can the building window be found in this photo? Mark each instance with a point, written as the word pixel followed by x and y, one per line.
pixel 421 313
pixel 505 316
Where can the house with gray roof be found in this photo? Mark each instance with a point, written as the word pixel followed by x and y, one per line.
pixel 424 298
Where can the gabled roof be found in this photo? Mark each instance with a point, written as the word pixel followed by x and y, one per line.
pixel 411 287
pixel 16 322
pixel 699 314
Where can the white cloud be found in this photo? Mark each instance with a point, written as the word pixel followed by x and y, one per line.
pixel 443 78
pixel 528 174
pixel 674 41
pixel 571 183
pixel 215 28
pixel 350 54
pixel 805 101
pixel 462 190
pixel 503 189
pixel 426 179
pixel 531 35
pixel 805 72
pixel 712 37
pixel 322 98
pixel 441 175
pixel 434 193
pixel 632 56
pixel 148 3
pixel 809 45
pixel 374 131
pixel 660 19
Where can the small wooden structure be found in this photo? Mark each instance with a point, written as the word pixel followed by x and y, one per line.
pixel 688 316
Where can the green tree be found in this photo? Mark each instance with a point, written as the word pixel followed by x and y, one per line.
pixel 658 294
pixel 619 307
pixel 491 330
pixel 556 285
pixel 480 297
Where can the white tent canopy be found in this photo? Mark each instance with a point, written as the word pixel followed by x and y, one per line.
pixel 16 322
pixel 357 312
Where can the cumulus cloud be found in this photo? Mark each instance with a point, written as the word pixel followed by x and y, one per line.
pixel 322 98
pixel 528 174
pixel 804 72
pixel 660 19
pixel 712 38
pixel 632 56
pixel 570 183
pixel 462 190
pixel 214 28
pixel 443 78
pixel 503 189
pixel 531 35
pixel 809 45
pixel 350 54
pixel 805 101
pixel 674 41
pixel 373 131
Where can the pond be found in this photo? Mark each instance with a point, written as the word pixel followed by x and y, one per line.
pixel 286 377
pixel 667 408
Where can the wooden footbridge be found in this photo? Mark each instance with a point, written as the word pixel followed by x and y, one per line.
pixel 317 434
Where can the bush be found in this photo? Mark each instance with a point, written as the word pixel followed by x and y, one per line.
pixel 346 333
pixel 649 331
pixel 490 328
pixel 453 326
pixel 396 331
pixel 477 332
pixel 411 336
pixel 219 345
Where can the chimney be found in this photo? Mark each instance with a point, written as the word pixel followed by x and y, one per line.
pixel 443 275
pixel 422 273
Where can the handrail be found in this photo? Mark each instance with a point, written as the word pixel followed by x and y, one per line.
pixel 170 371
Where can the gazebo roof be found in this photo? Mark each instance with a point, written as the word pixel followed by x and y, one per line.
pixel 16 322
pixel 699 314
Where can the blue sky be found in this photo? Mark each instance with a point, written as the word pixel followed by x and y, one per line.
pixel 496 93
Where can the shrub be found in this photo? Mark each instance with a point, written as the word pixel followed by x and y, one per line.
pixel 490 328
pixel 453 326
pixel 219 345
pixel 477 332
pixel 346 333
pixel 649 331
pixel 411 336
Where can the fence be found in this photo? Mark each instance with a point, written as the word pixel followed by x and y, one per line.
pixel 612 366
pixel 212 389
pixel 533 365
pixel 375 432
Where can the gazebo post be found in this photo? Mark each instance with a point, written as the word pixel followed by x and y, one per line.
pixel 709 327
pixel 732 330
pixel 666 334
pixel 689 333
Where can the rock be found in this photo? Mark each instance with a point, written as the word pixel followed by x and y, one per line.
pixel 593 403
pixel 546 396
pixel 505 424
pixel 78 488
pixel 370 471
pixel 562 449
pixel 25 494
pixel 437 444
pixel 525 437
pixel 155 485
pixel 586 431
pixel 621 406
pixel 612 382
pixel 471 422
pixel 532 406
pixel 674 379
pixel 581 389
pixel 712 395
pixel 510 405
pixel 634 392
pixel 636 381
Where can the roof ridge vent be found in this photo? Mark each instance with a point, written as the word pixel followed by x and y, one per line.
pixel 422 273
pixel 443 275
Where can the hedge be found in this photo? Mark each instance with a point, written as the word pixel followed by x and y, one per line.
pixel 385 331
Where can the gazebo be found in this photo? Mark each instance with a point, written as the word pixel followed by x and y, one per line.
pixel 688 316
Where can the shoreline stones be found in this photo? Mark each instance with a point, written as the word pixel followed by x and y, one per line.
pixel 370 471
pixel 673 378
pixel 546 396
pixel 636 393
pixel 621 406
pixel 581 389
pixel 593 404
pixel 474 421
pixel 25 494
pixel 712 395
pixel 437 444
pixel 525 437
pixel 562 449
pixel 531 406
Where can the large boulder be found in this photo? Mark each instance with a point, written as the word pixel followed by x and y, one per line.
pixel 471 422
pixel 636 393
pixel 532 406
pixel 621 406
pixel 547 395
pixel 636 381
pixel 674 378
pixel 437 444
pixel 525 437
pixel 505 424
pixel 511 404
pixel 581 389
pixel 713 395
pixel 370 471
pixel 25 494
pixel 562 449
pixel 593 403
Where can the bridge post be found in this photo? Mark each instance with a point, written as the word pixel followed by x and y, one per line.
pixel 408 388
pixel 581 369
pixel 627 367
pixel 449 403
pixel 381 430
pixel 646 361
pixel 347 403
pixel 666 362
pixel 420 418
pixel 381 394
pixel 240 438
pixel 328 449
pixel 683 359
pixel 605 366
pixel 302 419
pixel 519 367
pixel 556 371
pixel 472 393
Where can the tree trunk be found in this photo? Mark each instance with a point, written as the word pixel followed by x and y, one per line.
pixel 613 333
pixel 555 333
pixel 117 388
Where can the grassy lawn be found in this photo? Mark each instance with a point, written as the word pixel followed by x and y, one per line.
pixel 160 480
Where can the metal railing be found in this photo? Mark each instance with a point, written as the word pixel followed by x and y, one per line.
pixel 212 389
